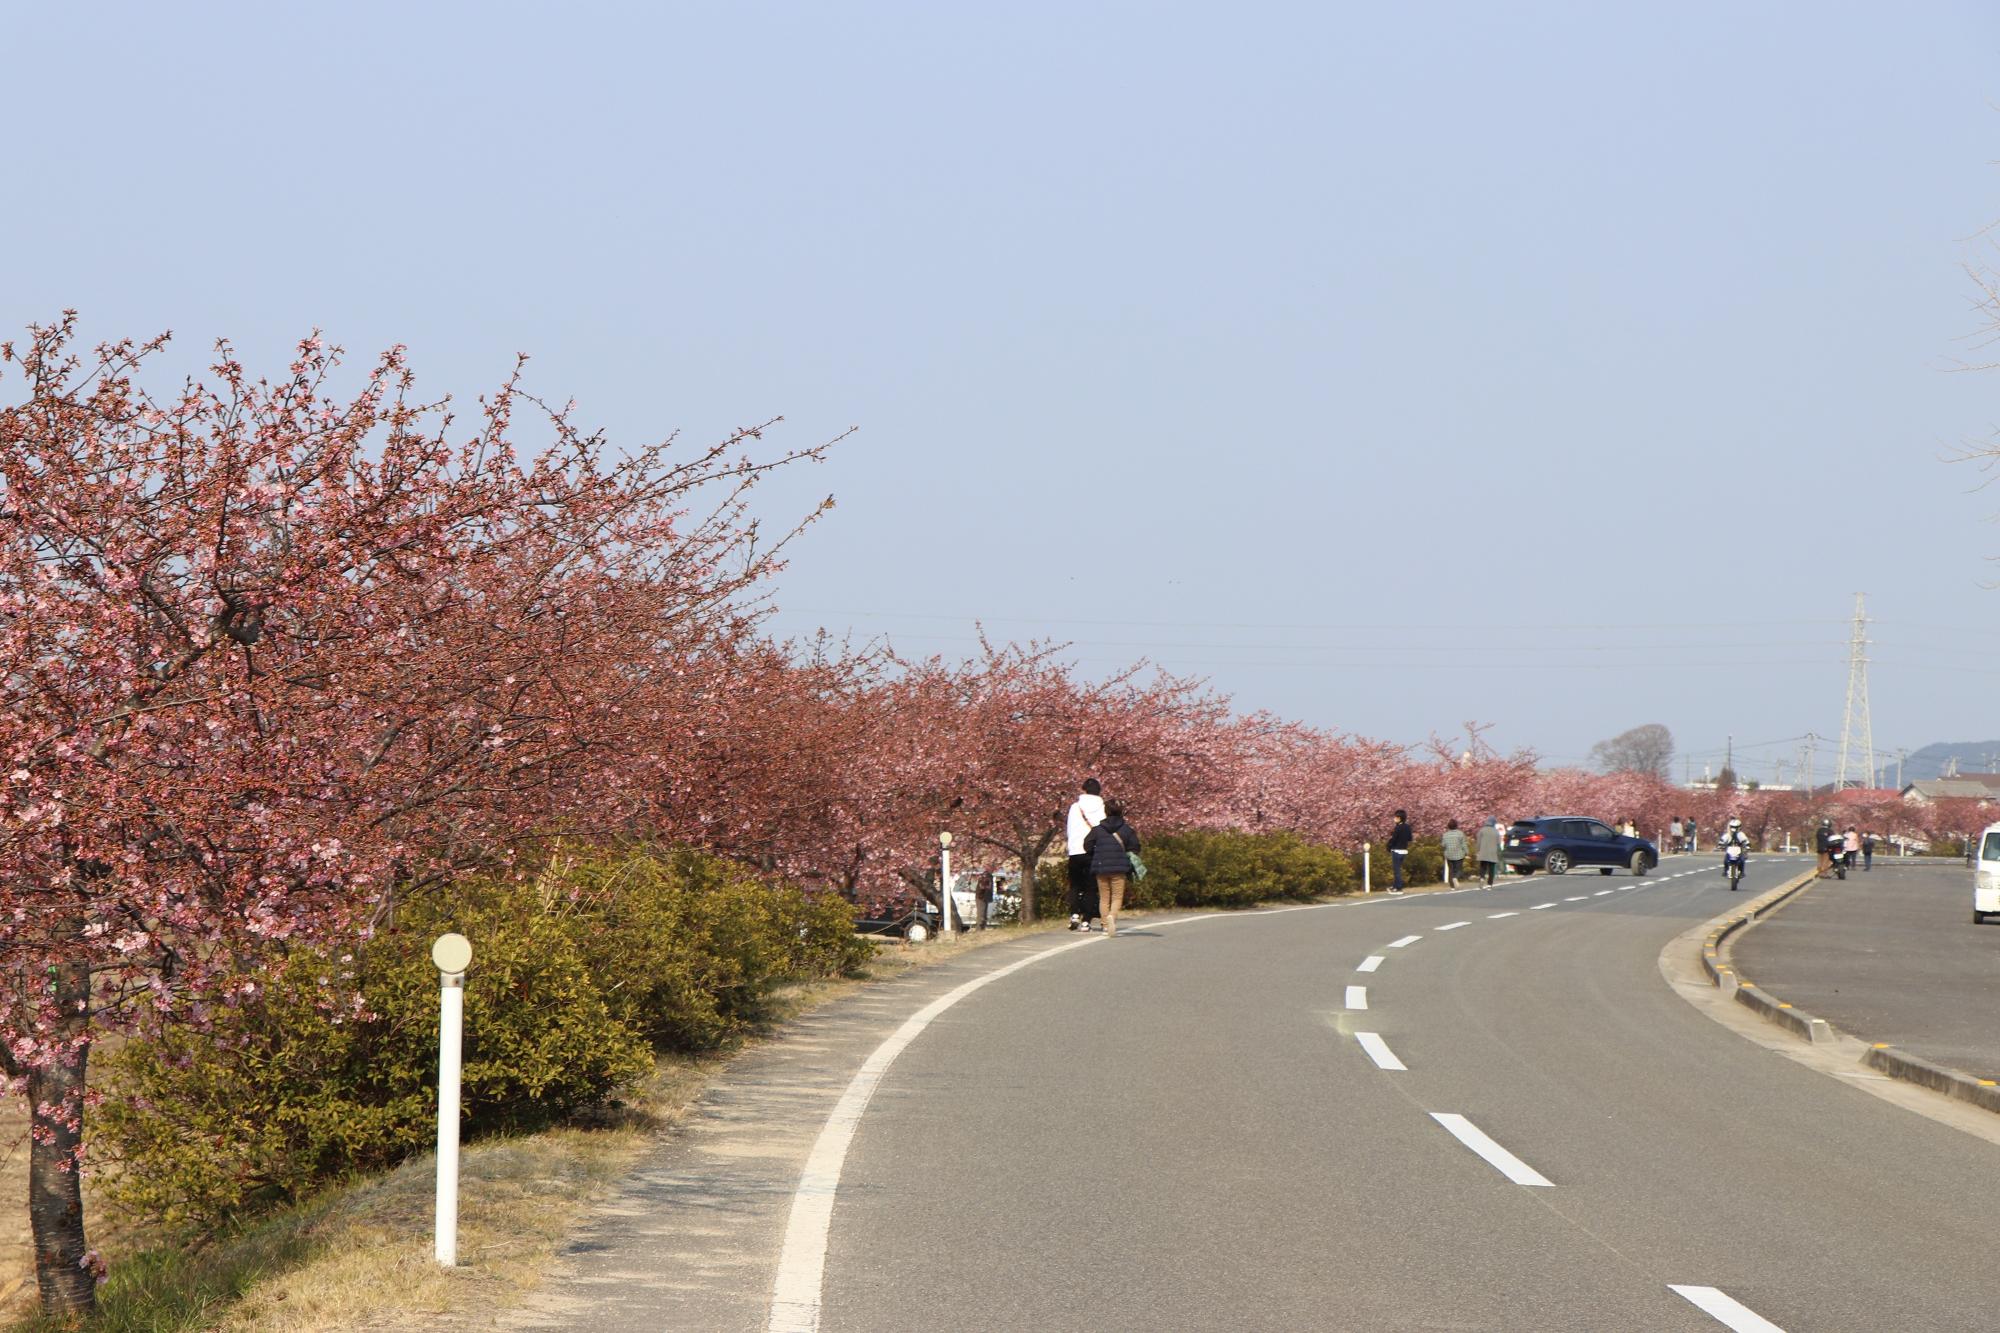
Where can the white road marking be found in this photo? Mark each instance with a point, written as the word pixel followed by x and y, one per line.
pixel 1579 898
pixel 1378 1051
pixel 1497 1157
pixel 1497 916
pixel 795 1296
pixel 1601 892
pixel 1541 907
pixel 1455 925
pixel 1357 997
pixel 1725 1309
pixel 1407 939
pixel 1370 963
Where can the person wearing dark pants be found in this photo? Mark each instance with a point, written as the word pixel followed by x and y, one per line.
pixel 1399 848
pixel 1085 813
pixel 1488 848
pixel 1867 851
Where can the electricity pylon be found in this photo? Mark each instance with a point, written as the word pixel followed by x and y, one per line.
pixel 1857 692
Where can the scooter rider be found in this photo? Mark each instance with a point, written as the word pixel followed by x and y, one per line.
pixel 1734 837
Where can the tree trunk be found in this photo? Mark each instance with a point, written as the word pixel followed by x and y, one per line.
pixel 63 1275
pixel 1030 857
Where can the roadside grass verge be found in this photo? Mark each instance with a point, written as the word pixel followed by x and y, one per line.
pixel 359 1256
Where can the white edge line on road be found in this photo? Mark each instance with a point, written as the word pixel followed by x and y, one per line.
pixel 1601 892
pixel 1541 907
pixel 1497 1157
pixel 1407 939
pixel 1371 962
pixel 795 1296
pixel 1499 915
pixel 1378 1051
pixel 1455 925
pixel 1725 1309
pixel 1357 997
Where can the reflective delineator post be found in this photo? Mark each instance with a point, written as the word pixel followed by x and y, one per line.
pixel 1364 868
pixel 944 882
pixel 452 954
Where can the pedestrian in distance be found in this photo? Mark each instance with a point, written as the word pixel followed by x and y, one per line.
pixel 1085 813
pixel 1399 850
pixel 1674 835
pixel 1850 846
pixel 1487 849
pixel 1823 841
pixel 1693 843
pixel 1868 851
pixel 1111 845
pixel 1453 845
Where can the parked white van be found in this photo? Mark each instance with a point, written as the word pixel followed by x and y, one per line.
pixel 1986 876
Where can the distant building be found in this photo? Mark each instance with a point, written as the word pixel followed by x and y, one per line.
pixel 1966 786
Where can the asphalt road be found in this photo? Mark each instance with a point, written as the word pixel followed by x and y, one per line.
pixel 1184 1128
pixel 1890 955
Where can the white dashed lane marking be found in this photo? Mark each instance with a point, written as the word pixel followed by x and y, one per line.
pixel 1542 907
pixel 1406 940
pixel 1378 1051
pixel 1497 1157
pixel 1455 925
pixel 1725 1309
pixel 1357 997
pixel 1497 916
pixel 1370 963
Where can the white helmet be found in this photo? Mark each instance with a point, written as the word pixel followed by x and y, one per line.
pixel 1736 823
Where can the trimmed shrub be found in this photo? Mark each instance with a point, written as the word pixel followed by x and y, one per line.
pixel 1204 868
pixel 687 946
pixel 327 1065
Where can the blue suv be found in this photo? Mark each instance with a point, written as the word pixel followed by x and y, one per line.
pixel 1565 842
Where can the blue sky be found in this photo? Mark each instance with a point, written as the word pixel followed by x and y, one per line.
pixel 1392 366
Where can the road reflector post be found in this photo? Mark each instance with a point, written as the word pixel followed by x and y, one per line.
pixel 452 954
pixel 1364 869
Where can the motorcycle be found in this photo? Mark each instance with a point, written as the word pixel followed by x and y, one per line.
pixel 1732 864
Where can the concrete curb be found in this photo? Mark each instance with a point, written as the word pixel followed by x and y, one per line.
pixel 1880 1056
pixel 1981 1092
pixel 1715 961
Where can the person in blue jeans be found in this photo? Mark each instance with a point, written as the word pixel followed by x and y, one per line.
pixel 1399 847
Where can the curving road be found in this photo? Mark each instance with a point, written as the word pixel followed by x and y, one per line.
pixel 1509 1121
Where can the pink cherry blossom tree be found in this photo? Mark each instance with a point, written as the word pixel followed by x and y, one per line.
pixel 270 659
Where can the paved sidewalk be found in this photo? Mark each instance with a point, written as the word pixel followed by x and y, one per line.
pixel 1890 956
pixel 691 1240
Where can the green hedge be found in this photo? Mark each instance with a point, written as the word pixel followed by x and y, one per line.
pixel 329 1066
pixel 1210 869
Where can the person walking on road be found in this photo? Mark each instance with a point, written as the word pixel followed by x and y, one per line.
pixel 1111 845
pixel 1085 813
pixel 1487 849
pixel 1674 835
pixel 1399 850
pixel 1868 851
pixel 1823 841
pixel 1453 843
pixel 1694 843
pixel 1850 846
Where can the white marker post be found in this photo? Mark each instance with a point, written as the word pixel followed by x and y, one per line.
pixel 452 954
pixel 1364 869
pixel 944 882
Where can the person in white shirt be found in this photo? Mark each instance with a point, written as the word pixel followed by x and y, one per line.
pixel 1086 812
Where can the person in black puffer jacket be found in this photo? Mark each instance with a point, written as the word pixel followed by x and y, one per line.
pixel 1110 846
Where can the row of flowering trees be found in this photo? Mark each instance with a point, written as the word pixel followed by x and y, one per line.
pixel 274 659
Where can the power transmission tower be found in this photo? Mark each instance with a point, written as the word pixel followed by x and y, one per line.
pixel 1857 691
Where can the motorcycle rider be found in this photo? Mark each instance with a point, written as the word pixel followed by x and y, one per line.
pixel 1734 836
